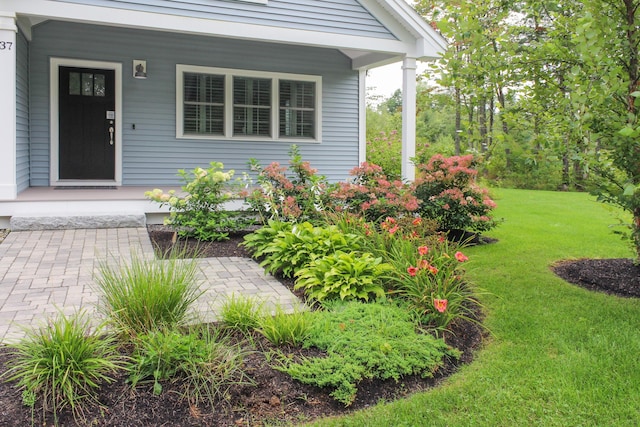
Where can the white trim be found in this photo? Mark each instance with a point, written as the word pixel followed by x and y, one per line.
pixel 229 73
pixel 209 27
pixel 409 66
pixel 362 117
pixel 8 153
pixel 54 69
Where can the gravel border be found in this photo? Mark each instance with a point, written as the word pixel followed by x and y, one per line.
pixel 3 234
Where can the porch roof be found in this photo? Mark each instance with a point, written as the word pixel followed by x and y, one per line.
pixel 413 37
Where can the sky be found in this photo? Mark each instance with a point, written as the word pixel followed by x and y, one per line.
pixel 384 81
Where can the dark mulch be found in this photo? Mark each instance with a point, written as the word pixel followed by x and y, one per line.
pixel 274 399
pixel 614 276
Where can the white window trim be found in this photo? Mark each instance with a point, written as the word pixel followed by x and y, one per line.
pixel 229 73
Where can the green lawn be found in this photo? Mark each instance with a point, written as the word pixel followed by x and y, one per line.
pixel 559 355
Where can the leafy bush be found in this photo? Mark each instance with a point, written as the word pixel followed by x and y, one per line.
pixel 243 312
pixel 203 362
pixel 261 239
pixel 201 213
pixel 297 196
pixel 292 250
pixel 450 196
pixel 145 295
pixel 431 279
pixel 343 275
pixel 365 341
pixel 372 196
pixel 63 364
pixel 384 149
pixel 285 328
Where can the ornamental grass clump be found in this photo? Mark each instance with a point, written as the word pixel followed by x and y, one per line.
pixel 63 364
pixel 201 213
pixel 144 295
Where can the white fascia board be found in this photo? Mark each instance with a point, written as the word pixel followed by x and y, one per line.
pixel 427 43
pixel 198 26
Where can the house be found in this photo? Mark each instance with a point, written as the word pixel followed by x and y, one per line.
pixel 109 98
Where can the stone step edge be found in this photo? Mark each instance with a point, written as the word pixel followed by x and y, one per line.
pixel 24 223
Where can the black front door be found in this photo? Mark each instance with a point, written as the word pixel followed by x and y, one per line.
pixel 87 124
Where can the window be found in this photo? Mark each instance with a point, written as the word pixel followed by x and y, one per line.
pixel 219 103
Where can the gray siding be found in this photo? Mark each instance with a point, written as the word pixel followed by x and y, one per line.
pixel 22 112
pixel 333 16
pixel 151 152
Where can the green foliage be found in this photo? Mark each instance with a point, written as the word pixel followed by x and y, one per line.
pixel 201 212
pixel 296 196
pixel 285 328
pixel 202 361
pixel 344 275
pixel 384 150
pixel 242 312
pixel 143 295
pixel 261 239
pixel 295 249
pixel 432 281
pixel 365 341
pixel 373 196
pixel 449 195
pixel 63 364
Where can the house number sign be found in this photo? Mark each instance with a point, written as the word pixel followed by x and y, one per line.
pixel 5 45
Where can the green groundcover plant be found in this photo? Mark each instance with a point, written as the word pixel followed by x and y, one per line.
pixel 374 340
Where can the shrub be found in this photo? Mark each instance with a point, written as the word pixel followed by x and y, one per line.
pixel 201 213
pixel 205 365
pixel 384 150
pixel 243 313
pixel 343 275
pixel 296 196
pixel 285 328
pixel 292 250
pixel 377 341
pixel 450 196
pixel 63 364
pixel 373 196
pixel 145 295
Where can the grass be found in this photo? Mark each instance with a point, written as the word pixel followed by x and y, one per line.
pixel 559 355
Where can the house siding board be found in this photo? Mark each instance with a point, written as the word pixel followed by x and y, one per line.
pixel 334 16
pixel 22 112
pixel 151 153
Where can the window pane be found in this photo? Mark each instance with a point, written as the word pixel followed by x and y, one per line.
pixel 98 85
pixel 297 109
pixel 252 106
pixel 203 112
pixel 87 84
pixel 74 83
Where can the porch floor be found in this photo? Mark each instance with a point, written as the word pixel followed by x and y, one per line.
pixel 51 194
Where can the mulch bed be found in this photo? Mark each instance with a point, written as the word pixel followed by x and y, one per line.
pixel 276 398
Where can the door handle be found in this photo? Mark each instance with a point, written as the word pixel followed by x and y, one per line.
pixel 111 131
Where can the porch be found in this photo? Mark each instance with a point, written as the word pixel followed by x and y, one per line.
pixel 39 208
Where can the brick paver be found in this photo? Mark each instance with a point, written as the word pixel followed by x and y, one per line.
pixel 46 271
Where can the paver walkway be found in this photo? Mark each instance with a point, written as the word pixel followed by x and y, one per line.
pixel 44 272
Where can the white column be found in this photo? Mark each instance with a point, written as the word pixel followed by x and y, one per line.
pixel 8 29
pixel 408 118
pixel 362 122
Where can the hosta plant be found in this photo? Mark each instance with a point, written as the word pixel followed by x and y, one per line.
pixel 343 275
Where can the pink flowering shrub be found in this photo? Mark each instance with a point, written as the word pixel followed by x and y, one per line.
pixel 371 195
pixel 293 194
pixel 449 194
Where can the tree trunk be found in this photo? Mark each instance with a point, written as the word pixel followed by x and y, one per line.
pixel 458 120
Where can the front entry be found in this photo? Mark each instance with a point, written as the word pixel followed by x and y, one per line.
pixel 87 129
